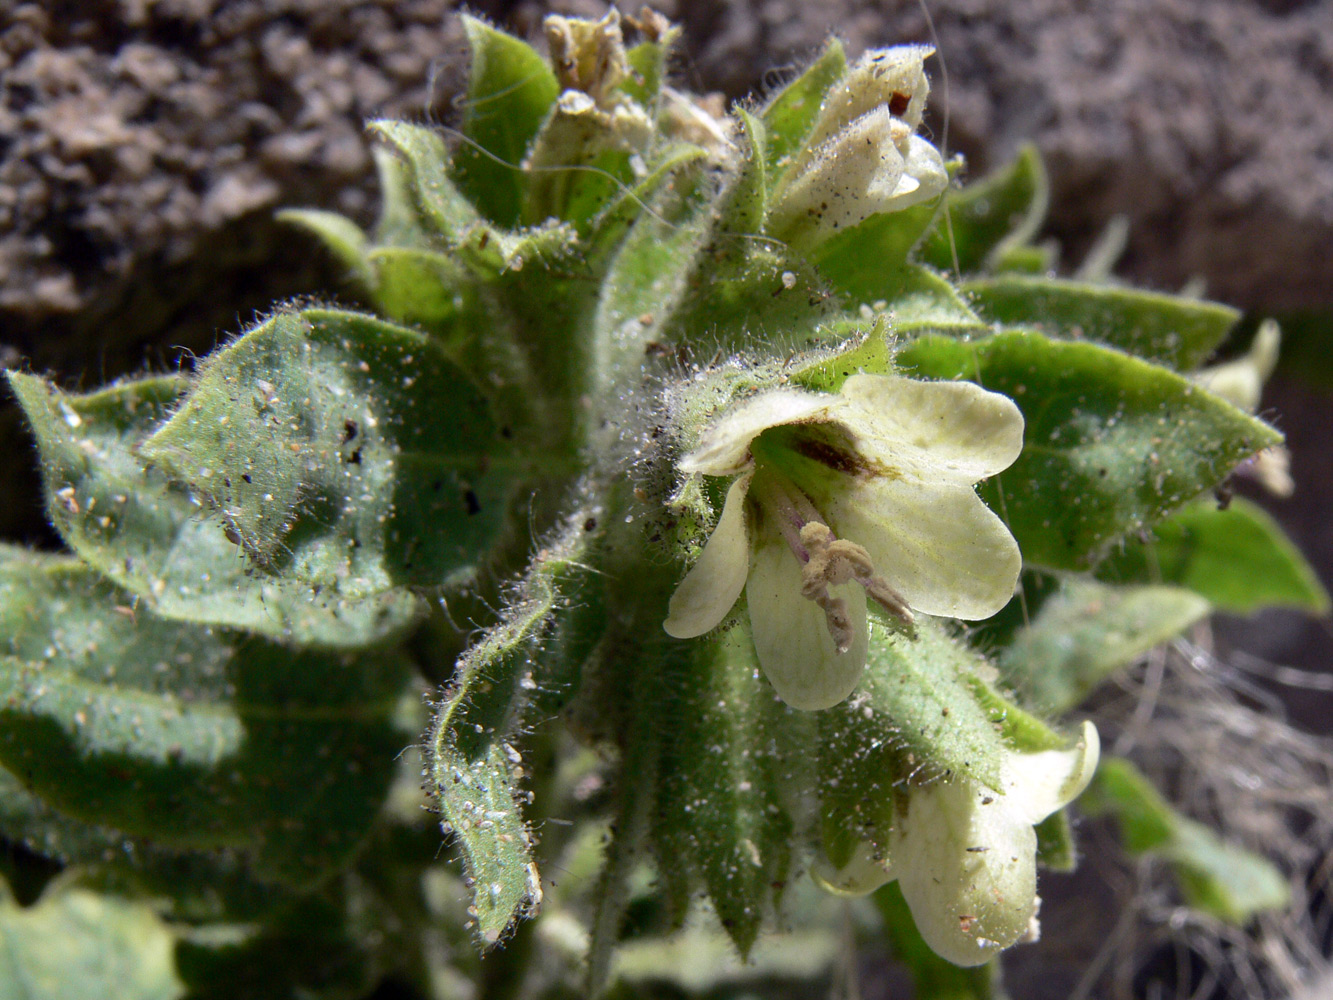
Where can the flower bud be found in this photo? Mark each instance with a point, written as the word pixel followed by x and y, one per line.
pixel 872 166
pixel 892 78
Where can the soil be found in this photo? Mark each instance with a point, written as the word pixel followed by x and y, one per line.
pixel 144 145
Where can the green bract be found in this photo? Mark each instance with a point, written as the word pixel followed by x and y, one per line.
pixel 630 360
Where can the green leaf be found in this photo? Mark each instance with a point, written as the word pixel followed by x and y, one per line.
pixel 646 279
pixel 1087 631
pixel 868 262
pixel 620 212
pixel 915 716
pixel 74 943
pixel 933 977
pixel 510 91
pixel 722 781
pixel 1027 259
pixel 697 961
pixel 324 440
pixel 742 206
pixel 1215 876
pixel 1238 558
pixel 331 945
pixel 191 885
pixel 1169 329
pixel 1111 445
pixel 136 528
pixel 473 770
pixel 579 159
pixel 184 735
pixel 1055 843
pixel 1022 730
pixel 648 69
pixel 422 288
pixel 341 236
pixel 400 223
pixel 434 198
pixel 988 218
pixel 790 115
pixel 745 289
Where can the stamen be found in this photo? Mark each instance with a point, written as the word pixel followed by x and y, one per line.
pixel 828 560
pixel 835 561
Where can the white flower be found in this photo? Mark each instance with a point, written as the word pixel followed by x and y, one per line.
pixel 965 855
pixel 838 497
pixel 862 157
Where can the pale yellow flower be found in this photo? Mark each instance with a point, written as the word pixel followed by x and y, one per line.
pixel 862 157
pixel 965 855
pixel 868 492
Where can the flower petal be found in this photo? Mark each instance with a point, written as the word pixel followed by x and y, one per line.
pixel 881 77
pixel 925 166
pixel 862 874
pixel 939 546
pixel 716 580
pixel 967 865
pixel 954 432
pixel 1037 784
pixel 791 635
pixel 846 179
pixel 724 448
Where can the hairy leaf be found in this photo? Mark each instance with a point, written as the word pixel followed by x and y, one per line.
pixel 722 781
pixel 187 736
pixel 1169 329
pixel 916 716
pixel 133 526
pixel 342 451
pixel 1112 443
pixel 435 199
pixel 510 91
pixel 791 114
pixel 1086 632
pixel 473 770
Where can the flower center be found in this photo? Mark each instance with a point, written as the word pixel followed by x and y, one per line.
pixel 827 560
